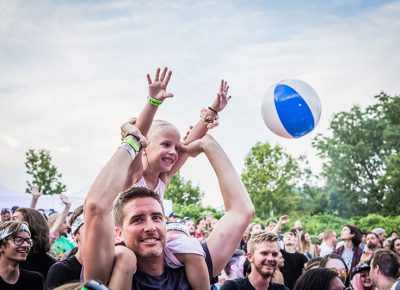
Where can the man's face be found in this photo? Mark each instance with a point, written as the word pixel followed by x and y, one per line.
pixel 190 227
pixel 5 216
pixel 202 225
pixel 143 229
pixel 372 241
pixel 333 240
pixel 373 274
pixel 16 253
pixel 345 234
pixel 264 260
pixel 270 227
pixel 289 240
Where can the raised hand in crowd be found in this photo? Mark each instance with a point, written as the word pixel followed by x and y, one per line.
pixel 36 194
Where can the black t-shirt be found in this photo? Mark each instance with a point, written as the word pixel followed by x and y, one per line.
pixel 244 284
pixel 294 264
pixel 68 270
pixel 38 262
pixel 171 279
pixel 27 280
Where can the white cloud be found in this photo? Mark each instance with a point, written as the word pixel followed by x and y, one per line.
pixel 9 141
pixel 72 72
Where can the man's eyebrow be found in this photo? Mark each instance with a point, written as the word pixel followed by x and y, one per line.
pixel 135 216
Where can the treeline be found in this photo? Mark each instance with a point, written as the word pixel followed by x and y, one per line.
pixel 361 174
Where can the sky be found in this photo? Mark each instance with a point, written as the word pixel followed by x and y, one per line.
pixel 71 72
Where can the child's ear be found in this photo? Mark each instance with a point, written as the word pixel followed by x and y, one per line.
pixel 118 234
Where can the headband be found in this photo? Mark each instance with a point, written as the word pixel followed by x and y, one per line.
pixel 78 222
pixel 5 233
pixel 177 227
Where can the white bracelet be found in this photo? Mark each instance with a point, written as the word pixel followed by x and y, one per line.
pixel 129 148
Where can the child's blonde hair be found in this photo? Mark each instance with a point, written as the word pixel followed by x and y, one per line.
pixel 159 125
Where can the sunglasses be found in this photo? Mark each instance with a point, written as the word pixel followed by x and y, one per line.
pixel 341 272
pixel 20 241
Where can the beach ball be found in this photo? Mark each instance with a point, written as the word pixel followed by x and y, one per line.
pixel 291 108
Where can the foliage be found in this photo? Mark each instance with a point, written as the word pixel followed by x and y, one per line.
pixel 367 223
pixel 280 184
pixel 195 212
pixel 182 192
pixel 43 173
pixel 361 159
pixel 268 176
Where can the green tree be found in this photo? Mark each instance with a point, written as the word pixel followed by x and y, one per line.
pixel 182 192
pixel 270 176
pixel 43 173
pixel 361 159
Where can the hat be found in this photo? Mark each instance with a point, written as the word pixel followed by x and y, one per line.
pixel 359 268
pixel 186 218
pixel 379 231
pixel 173 214
pixel 4 210
pixel 14 208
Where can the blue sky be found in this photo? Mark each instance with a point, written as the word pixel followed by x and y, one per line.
pixel 72 71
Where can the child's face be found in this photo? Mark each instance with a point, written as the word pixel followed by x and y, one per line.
pixel 162 152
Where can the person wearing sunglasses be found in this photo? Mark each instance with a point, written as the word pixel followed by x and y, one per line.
pixel 15 244
pixel 337 264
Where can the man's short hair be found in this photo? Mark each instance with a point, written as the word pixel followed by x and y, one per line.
pixel 126 196
pixel 328 234
pixel 260 237
pixel 233 260
pixel 387 262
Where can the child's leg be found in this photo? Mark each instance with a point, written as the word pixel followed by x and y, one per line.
pixel 196 270
pixel 124 268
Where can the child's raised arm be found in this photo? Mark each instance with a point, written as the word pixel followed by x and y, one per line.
pixel 208 120
pixel 157 94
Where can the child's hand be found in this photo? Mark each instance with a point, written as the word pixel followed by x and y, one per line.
pixel 157 89
pixel 222 97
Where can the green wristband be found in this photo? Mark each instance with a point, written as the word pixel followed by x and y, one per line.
pixel 154 102
pixel 133 143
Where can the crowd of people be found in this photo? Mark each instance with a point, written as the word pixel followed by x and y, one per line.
pixel 121 239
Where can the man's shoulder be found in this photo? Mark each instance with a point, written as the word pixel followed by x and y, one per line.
pixel 237 284
pixel 274 286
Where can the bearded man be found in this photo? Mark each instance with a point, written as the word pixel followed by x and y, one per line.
pixel 263 252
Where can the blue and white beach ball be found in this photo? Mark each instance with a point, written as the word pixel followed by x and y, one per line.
pixel 291 108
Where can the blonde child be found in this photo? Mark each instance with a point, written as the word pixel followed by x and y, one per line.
pixel 161 159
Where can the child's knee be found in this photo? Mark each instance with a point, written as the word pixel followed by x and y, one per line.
pixel 125 256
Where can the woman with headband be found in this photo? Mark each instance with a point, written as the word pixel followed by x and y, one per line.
pixel 15 244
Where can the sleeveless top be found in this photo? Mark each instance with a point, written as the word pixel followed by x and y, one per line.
pixel 160 188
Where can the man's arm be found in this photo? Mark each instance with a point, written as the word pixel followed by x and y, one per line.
pixel 228 232
pixel 98 240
